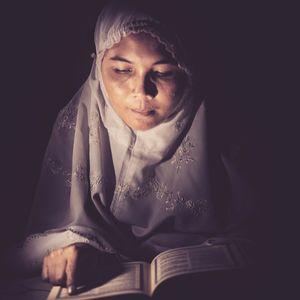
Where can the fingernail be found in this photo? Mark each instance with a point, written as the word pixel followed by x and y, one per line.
pixel 71 289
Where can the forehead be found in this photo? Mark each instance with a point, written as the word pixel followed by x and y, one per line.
pixel 140 44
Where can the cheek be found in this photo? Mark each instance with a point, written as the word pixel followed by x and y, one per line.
pixel 169 94
pixel 115 87
pixel 116 90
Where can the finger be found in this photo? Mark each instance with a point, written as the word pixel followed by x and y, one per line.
pixel 60 262
pixel 60 271
pixel 45 269
pixel 56 267
pixel 71 266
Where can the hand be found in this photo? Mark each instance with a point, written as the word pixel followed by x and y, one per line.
pixel 75 265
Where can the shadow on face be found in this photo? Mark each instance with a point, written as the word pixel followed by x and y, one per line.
pixel 143 82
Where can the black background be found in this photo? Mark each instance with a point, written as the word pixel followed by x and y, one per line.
pixel 45 57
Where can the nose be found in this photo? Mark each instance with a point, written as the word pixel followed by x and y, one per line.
pixel 144 87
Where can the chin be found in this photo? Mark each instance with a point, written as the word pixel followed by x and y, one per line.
pixel 142 126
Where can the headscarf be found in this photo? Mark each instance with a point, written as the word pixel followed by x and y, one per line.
pixel 135 193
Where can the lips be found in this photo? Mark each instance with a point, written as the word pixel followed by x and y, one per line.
pixel 143 112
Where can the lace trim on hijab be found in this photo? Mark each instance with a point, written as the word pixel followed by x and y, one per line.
pixel 88 239
pixel 151 27
pixel 69 236
pixel 38 245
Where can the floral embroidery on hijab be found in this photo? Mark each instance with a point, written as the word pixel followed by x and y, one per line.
pixel 67 116
pixel 183 154
pixel 56 168
pixel 95 181
pixel 94 128
pixel 171 201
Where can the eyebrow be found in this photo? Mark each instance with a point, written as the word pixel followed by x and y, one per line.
pixel 120 58
pixel 163 61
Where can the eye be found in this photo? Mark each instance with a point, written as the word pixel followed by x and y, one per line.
pixel 164 75
pixel 122 71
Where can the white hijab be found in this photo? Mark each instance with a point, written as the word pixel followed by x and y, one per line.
pixel 133 192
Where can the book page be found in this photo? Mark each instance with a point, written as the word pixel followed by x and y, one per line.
pixel 133 280
pixel 193 259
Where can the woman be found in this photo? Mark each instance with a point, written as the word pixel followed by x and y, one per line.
pixel 128 171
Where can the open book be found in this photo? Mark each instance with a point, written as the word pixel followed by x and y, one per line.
pixel 143 278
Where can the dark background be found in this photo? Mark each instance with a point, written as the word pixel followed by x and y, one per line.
pixel 45 57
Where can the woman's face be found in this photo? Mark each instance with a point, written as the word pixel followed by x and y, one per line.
pixel 142 81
